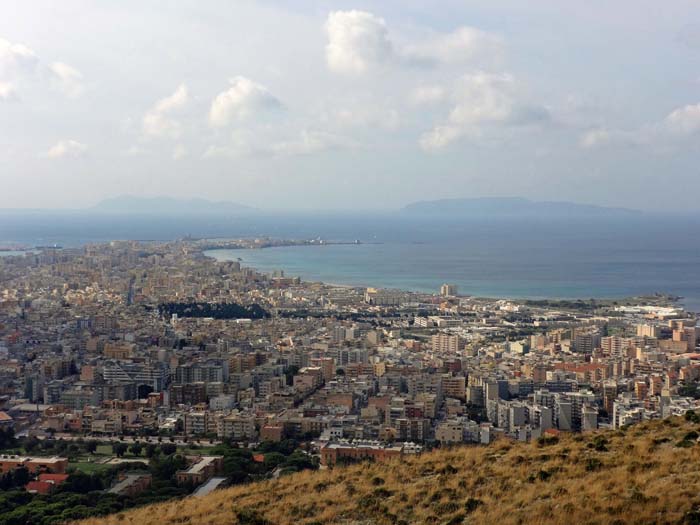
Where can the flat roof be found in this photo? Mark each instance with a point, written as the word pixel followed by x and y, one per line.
pixel 130 479
pixel 202 464
pixel 14 457
pixel 209 486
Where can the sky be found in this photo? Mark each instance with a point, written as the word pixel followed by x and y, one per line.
pixel 350 105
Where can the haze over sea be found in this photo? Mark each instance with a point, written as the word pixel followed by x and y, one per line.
pixel 604 257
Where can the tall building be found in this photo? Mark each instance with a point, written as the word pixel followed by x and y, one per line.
pixel 445 343
pixel 448 290
pixel 647 330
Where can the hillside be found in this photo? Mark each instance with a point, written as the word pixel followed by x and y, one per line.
pixel 649 473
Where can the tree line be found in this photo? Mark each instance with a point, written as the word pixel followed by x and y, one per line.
pixel 214 310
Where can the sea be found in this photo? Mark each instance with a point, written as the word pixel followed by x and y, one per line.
pixel 593 257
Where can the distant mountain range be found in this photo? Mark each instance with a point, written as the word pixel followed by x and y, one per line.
pixel 510 207
pixel 168 205
pixel 456 208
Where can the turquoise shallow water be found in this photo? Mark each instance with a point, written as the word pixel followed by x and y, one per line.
pixel 485 270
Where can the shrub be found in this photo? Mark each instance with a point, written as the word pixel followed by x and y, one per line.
pixel 446 508
pixel 692 517
pixel 593 464
pixel 457 519
pixel 472 504
pixel 599 443
pixel 544 475
pixel 692 416
pixel 249 517
pixel 690 436
pixel 382 492
pixel 376 481
pixel 449 469
pixel 546 440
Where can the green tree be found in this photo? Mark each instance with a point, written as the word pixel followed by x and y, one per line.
pixel 119 449
pixel 168 449
pixel 20 477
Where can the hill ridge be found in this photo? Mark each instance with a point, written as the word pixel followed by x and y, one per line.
pixel 648 473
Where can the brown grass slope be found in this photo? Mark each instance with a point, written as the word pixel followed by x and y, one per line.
pixel 649 473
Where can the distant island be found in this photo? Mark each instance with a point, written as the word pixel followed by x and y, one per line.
pixel 509 207
pixel 168 205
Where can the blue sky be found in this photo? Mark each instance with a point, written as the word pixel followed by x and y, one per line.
pixel 352 105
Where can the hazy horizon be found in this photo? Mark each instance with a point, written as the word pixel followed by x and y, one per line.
pixel 337 105
pixel 160 199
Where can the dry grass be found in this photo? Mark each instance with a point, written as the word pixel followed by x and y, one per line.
pixel 636 476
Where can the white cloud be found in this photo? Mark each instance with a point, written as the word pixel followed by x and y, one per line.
pixel 244 98
pixel 67 79
pixel 15 58
pixel 17 63
pixel 66 148
pixel 483 97
pixel 7 91
pixel 679 126
pixel 685 120
pixel 247 144
pixel 357 40
pixel 466 44
pixel 310 142
pixel 158 122
pixel 595 137
pixel 426 95
pixel 367 115
pixel 440 137
pixel 482 101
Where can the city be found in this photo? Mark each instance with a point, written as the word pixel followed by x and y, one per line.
pixel 156 343
pixel 349 263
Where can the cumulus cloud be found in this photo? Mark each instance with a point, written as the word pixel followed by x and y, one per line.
pixel 67 79
pixel 440 137
pixel 685 120
pixel 482 101
pixel 356 41
pixel 17 63
pixel 158 121
pixel 483 97
pixel 241 100
pixel 465 44
pixel 66 148
pixel 359 41
pixel 679 125
pixel 15 58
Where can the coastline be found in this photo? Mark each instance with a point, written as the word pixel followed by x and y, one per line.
pixel 658 299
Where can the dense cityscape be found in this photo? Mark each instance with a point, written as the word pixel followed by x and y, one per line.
pixel 114 355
